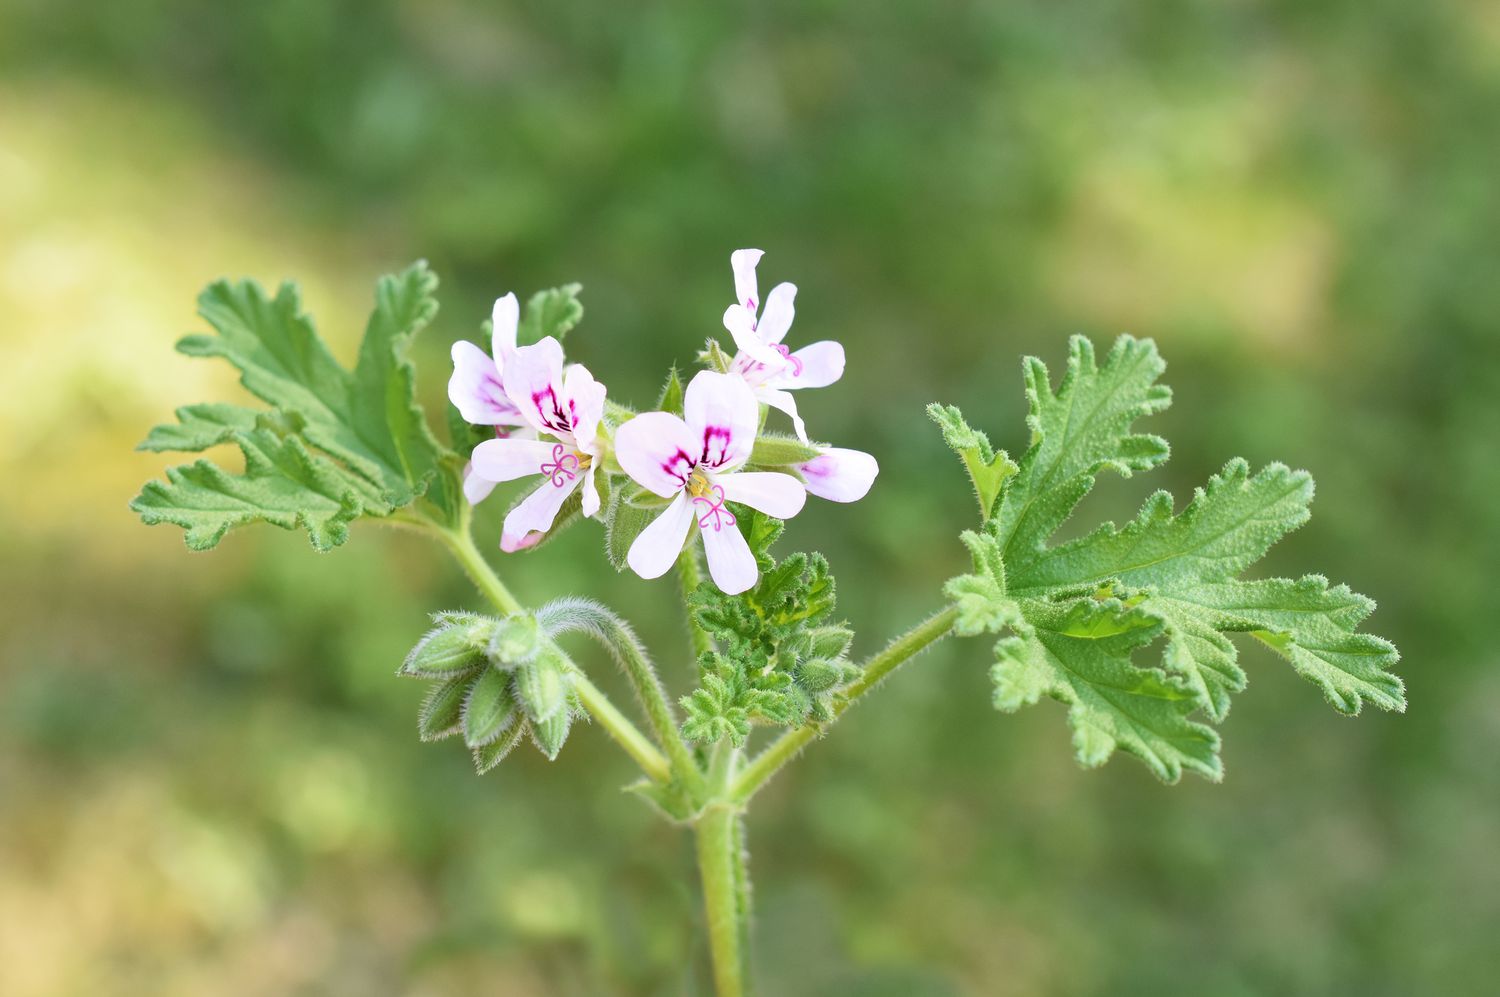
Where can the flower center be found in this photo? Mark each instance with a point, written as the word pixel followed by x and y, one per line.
pixel 708 498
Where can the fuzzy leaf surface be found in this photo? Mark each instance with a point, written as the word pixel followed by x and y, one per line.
pixel 1081 612
pixel 336 445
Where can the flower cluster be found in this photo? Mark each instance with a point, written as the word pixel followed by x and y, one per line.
pixel 696 466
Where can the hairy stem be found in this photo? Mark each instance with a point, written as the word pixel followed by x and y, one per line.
pixel 896 653
pixel 461 544
pixel 721 864
pixel 619 639
pixel 625 733
pixel 690 576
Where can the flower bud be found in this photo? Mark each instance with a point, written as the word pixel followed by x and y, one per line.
pixel 515 639
pixel 455 646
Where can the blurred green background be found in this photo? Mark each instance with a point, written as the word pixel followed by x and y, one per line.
pixel 209 777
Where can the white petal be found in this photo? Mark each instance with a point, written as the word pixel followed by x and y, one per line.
pixel 658 450
pixel 476 487
pixel 476 391
pixel 535 514
pixel 505 317
pixel 783 401
pixel 743 262
pixel 534 383
pixel 723 415
pixel 815 366
pixel 730 563
pixel 507 460
pixel 590 493
pixel 840 475
pixel 772 492
pixel 741 325
pixel 776 317
pixel 584 398
pixel 655 551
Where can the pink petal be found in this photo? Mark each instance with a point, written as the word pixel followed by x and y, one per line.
pixel 840 475
pixel 655 551
pixel 476 487
pixel 730 563
pixel 776 317
pixel 584 397
pixel 476 391
pixel 534 382
pixel 504 317
pixel 741 325
pixel 723 415
pixel 590 493
pixel 535 514
pixel 657 450
pixel 784 402
pixel 815 366
pixel 508 459
pixel 743 262
pixel 772 492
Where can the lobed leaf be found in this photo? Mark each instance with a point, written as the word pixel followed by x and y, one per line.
pixel 1079 611
pixel 336 445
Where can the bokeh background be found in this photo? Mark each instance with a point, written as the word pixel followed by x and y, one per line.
pixel 209 777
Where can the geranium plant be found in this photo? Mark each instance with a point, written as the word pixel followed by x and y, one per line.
pixel 1129 626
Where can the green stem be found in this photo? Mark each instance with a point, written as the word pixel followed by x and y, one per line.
pixel 604 626
pixel 461 544
pixel 896 653
pixel 625 733
pixel 725 886
pixel 690 576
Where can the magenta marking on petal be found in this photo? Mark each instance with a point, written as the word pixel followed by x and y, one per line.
pixel 679 466
pixel 786 353
pixel 715 510
pixel 724 438
pixel 557 420
pixel 563 467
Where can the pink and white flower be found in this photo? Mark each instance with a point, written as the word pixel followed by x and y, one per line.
pixel 477 387
pixel 767 365
pixel 695 461
pixel 564 409
pixel 840 475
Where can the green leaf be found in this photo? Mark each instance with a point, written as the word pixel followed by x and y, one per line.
pixel 284 484
pixel 1080 611
pixel 552 312
pixel 489 709
pixel 988 469
pixel 337 445
pixel 1314 626
pixel 1079 653
pixel 980 598
pixel 1165 560
pixel 1081 429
